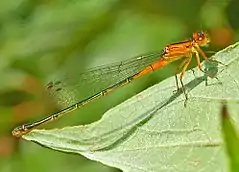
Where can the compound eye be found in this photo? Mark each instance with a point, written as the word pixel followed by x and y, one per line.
pixel 199 33
pixel 200 36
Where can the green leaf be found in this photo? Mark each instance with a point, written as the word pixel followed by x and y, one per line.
pixel 153 131
pixel 231 139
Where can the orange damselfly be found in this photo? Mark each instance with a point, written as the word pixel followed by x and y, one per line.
pixel 123 73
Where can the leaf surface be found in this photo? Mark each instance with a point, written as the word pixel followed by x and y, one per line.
pixel 153 131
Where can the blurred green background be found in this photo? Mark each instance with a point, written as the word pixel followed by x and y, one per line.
pixel 40 38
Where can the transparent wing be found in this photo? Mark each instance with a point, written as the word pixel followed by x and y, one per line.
pixel 80 86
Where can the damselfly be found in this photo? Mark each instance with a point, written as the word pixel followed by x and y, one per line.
pixel 118 74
